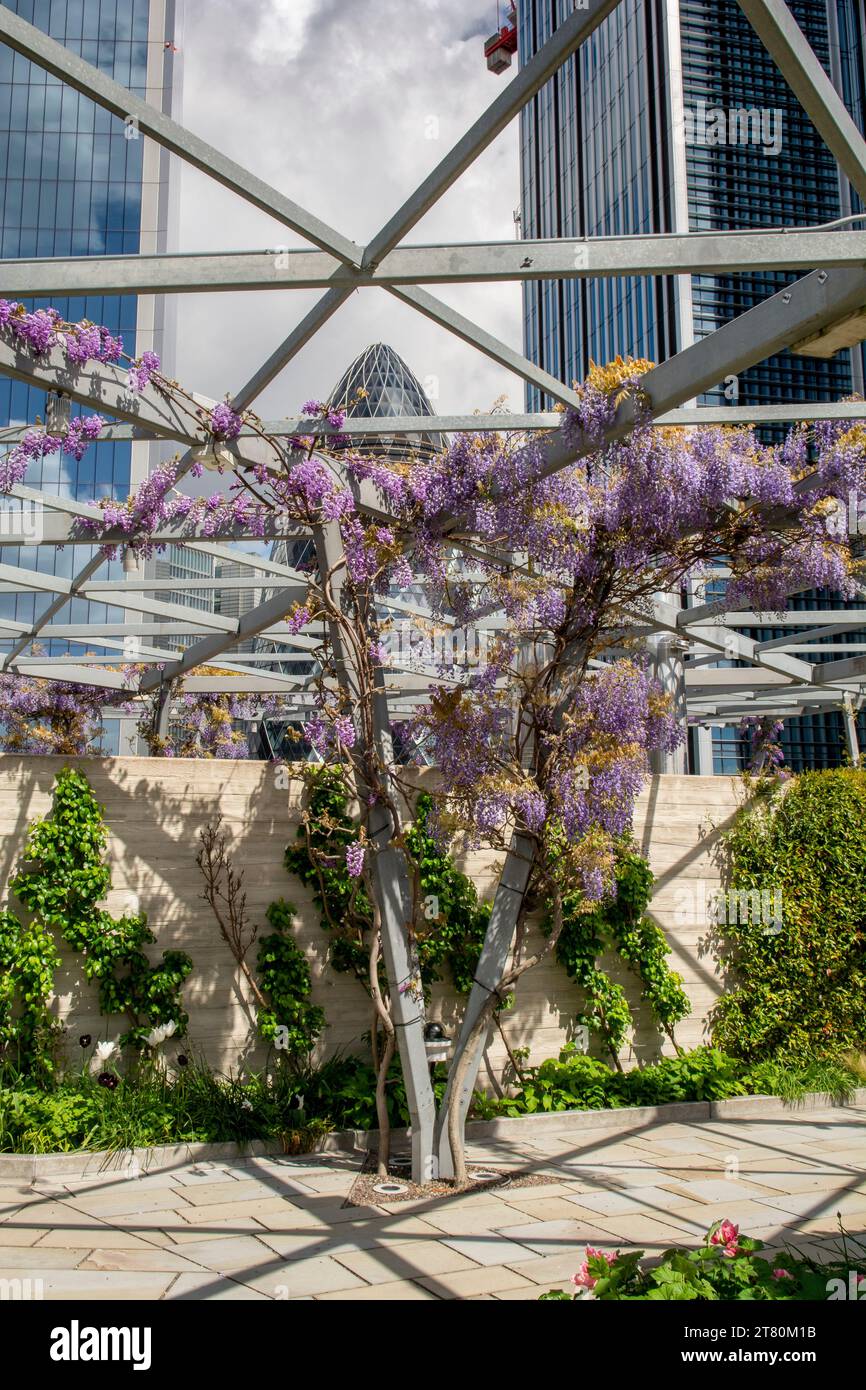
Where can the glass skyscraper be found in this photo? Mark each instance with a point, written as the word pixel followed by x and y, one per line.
pixel 75 180
pixel 672 117
pixel 625 139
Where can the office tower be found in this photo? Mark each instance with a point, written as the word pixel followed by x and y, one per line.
pixel 75 180
pixel 378 382
pixel 672 117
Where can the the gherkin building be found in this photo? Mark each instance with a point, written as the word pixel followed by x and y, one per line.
pixel 378 382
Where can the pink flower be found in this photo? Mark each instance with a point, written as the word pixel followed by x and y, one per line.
pixel 727 1235
pixel 782 1274
pixel 583 1279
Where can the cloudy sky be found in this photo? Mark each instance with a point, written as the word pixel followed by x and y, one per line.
pixel 335 103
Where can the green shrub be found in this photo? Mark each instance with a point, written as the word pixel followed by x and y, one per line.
pixel 61 880
pixel 798 992
pixel 575 1082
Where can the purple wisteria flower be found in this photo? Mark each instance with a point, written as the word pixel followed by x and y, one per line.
pixel 224 422
pixel 355 854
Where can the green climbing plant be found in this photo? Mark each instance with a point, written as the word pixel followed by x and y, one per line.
pixel 620 925
pixel 281 985
pixel 28 1030
pixel 453 922
pixel 796 985
pixel 291 1022
pixel 62 880
pixel 450 922
pixel 319 860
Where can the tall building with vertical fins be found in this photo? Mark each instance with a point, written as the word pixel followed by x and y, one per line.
pixel 672 117
pixel 76 180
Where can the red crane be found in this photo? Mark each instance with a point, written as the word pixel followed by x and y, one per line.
pixel 500 47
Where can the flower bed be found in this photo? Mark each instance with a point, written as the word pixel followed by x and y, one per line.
pixel 726 1267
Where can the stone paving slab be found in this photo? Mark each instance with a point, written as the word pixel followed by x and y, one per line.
pixel 278 1228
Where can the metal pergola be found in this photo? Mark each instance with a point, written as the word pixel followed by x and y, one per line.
pixel 824 309
pixel 173 639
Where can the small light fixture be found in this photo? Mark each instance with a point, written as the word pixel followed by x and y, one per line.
pixel 390 1189
pixel 131 564
pixel 436 1042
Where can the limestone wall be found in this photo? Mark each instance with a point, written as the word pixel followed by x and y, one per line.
pixel 154 810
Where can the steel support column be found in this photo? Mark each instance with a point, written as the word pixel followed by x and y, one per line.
pixel 852 742
pixel 795 58
pixel 510 892
pixel 390 882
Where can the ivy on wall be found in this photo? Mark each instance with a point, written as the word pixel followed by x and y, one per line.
pixel 62 880
pixel 28 1030
pixel 797 986
pixel 451 922
pixel 291 1021
pixel 458 921
pixel 620 925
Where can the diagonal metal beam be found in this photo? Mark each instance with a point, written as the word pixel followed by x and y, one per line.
pixel 300 335
pixel 46 53
pixel 807 305
pixel 491 346
pixel 529 81
pixel 103 387
pixel 731 643
pixel 273 610
pixel 786 43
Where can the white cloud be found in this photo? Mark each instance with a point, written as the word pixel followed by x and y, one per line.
pixel 282 30
pixel 344 108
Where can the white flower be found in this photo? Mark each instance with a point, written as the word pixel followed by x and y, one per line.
pixel 246 1105
pixel 158 1035
pixel 106 1050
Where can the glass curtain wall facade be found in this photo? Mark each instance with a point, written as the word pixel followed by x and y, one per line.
pixel 672 117
pixel 594 163
pixel 75 180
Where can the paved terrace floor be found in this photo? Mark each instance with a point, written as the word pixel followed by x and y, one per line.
pixel 278 1229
